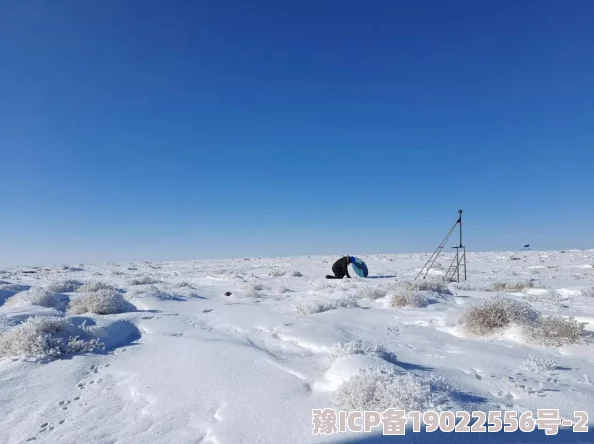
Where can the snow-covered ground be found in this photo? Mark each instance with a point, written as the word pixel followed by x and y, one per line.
pixel 187 364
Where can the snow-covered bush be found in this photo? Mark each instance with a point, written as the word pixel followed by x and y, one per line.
pixel 154 292
pixel 100 302
pixel 465 286
pixel 6 323
pixel 359 347
pixel 554 295
pixel 186 293
pixel 35 296
pixel 43 338
pixel 588 292
pixel 285 290
pixel 497 313
pixel 435 285
pixel 405 297
pixel 537 364
pixel 438 266
pixel 308 308
pixel 67 286
pixel 512 286
pixel 95 286
pixel 251 291
pixel 382 389
pixel 144 280
pixel 555 331
pixel 276 273
pixel 372 293
pixel 164 296
pixel 320 287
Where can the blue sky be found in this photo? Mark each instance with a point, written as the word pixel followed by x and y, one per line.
pixel 154 130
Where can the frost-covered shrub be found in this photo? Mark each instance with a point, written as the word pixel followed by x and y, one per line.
pixel 307 308
pixel 372 293
pixel 6 321
pixel 285 290
pixel 497 313
pixel 186 293
pixel 382 389
pixel 276 273
pixel 359 347
pixel 435 285
pixel 588 292
pixel 465 286
pixel 323 287
pixel 100 302
pixel 537 364
pixel 67 286
pixel 512 286
pixel 35 296
pixel 43 338
pixel 555 331
pixel 154 292
pixel 163 295
pixel 251 291
pixel 405 297
pixel 144 280
pixel 95 286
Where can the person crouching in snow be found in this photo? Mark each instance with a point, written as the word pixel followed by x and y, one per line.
pixel 341 268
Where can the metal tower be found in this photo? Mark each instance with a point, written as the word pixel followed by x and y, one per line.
pixel 459 260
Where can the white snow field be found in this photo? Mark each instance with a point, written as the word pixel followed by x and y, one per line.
pixel 157 353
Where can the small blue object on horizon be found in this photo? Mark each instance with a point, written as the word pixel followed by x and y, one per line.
pixel 360 267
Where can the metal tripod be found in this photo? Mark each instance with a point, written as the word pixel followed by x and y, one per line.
pixel 453 272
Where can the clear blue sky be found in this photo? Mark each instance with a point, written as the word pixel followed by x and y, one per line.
pixel 172 130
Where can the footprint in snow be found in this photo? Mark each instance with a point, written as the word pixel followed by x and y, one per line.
pixel 390 331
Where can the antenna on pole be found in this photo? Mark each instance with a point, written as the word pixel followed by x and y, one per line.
pixel 453 272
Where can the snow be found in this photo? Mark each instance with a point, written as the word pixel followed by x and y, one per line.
pixel 183 363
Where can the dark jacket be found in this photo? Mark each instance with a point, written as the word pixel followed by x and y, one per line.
pixel 341 267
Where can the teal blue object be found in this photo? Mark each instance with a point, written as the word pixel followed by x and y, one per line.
pixel 360 267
